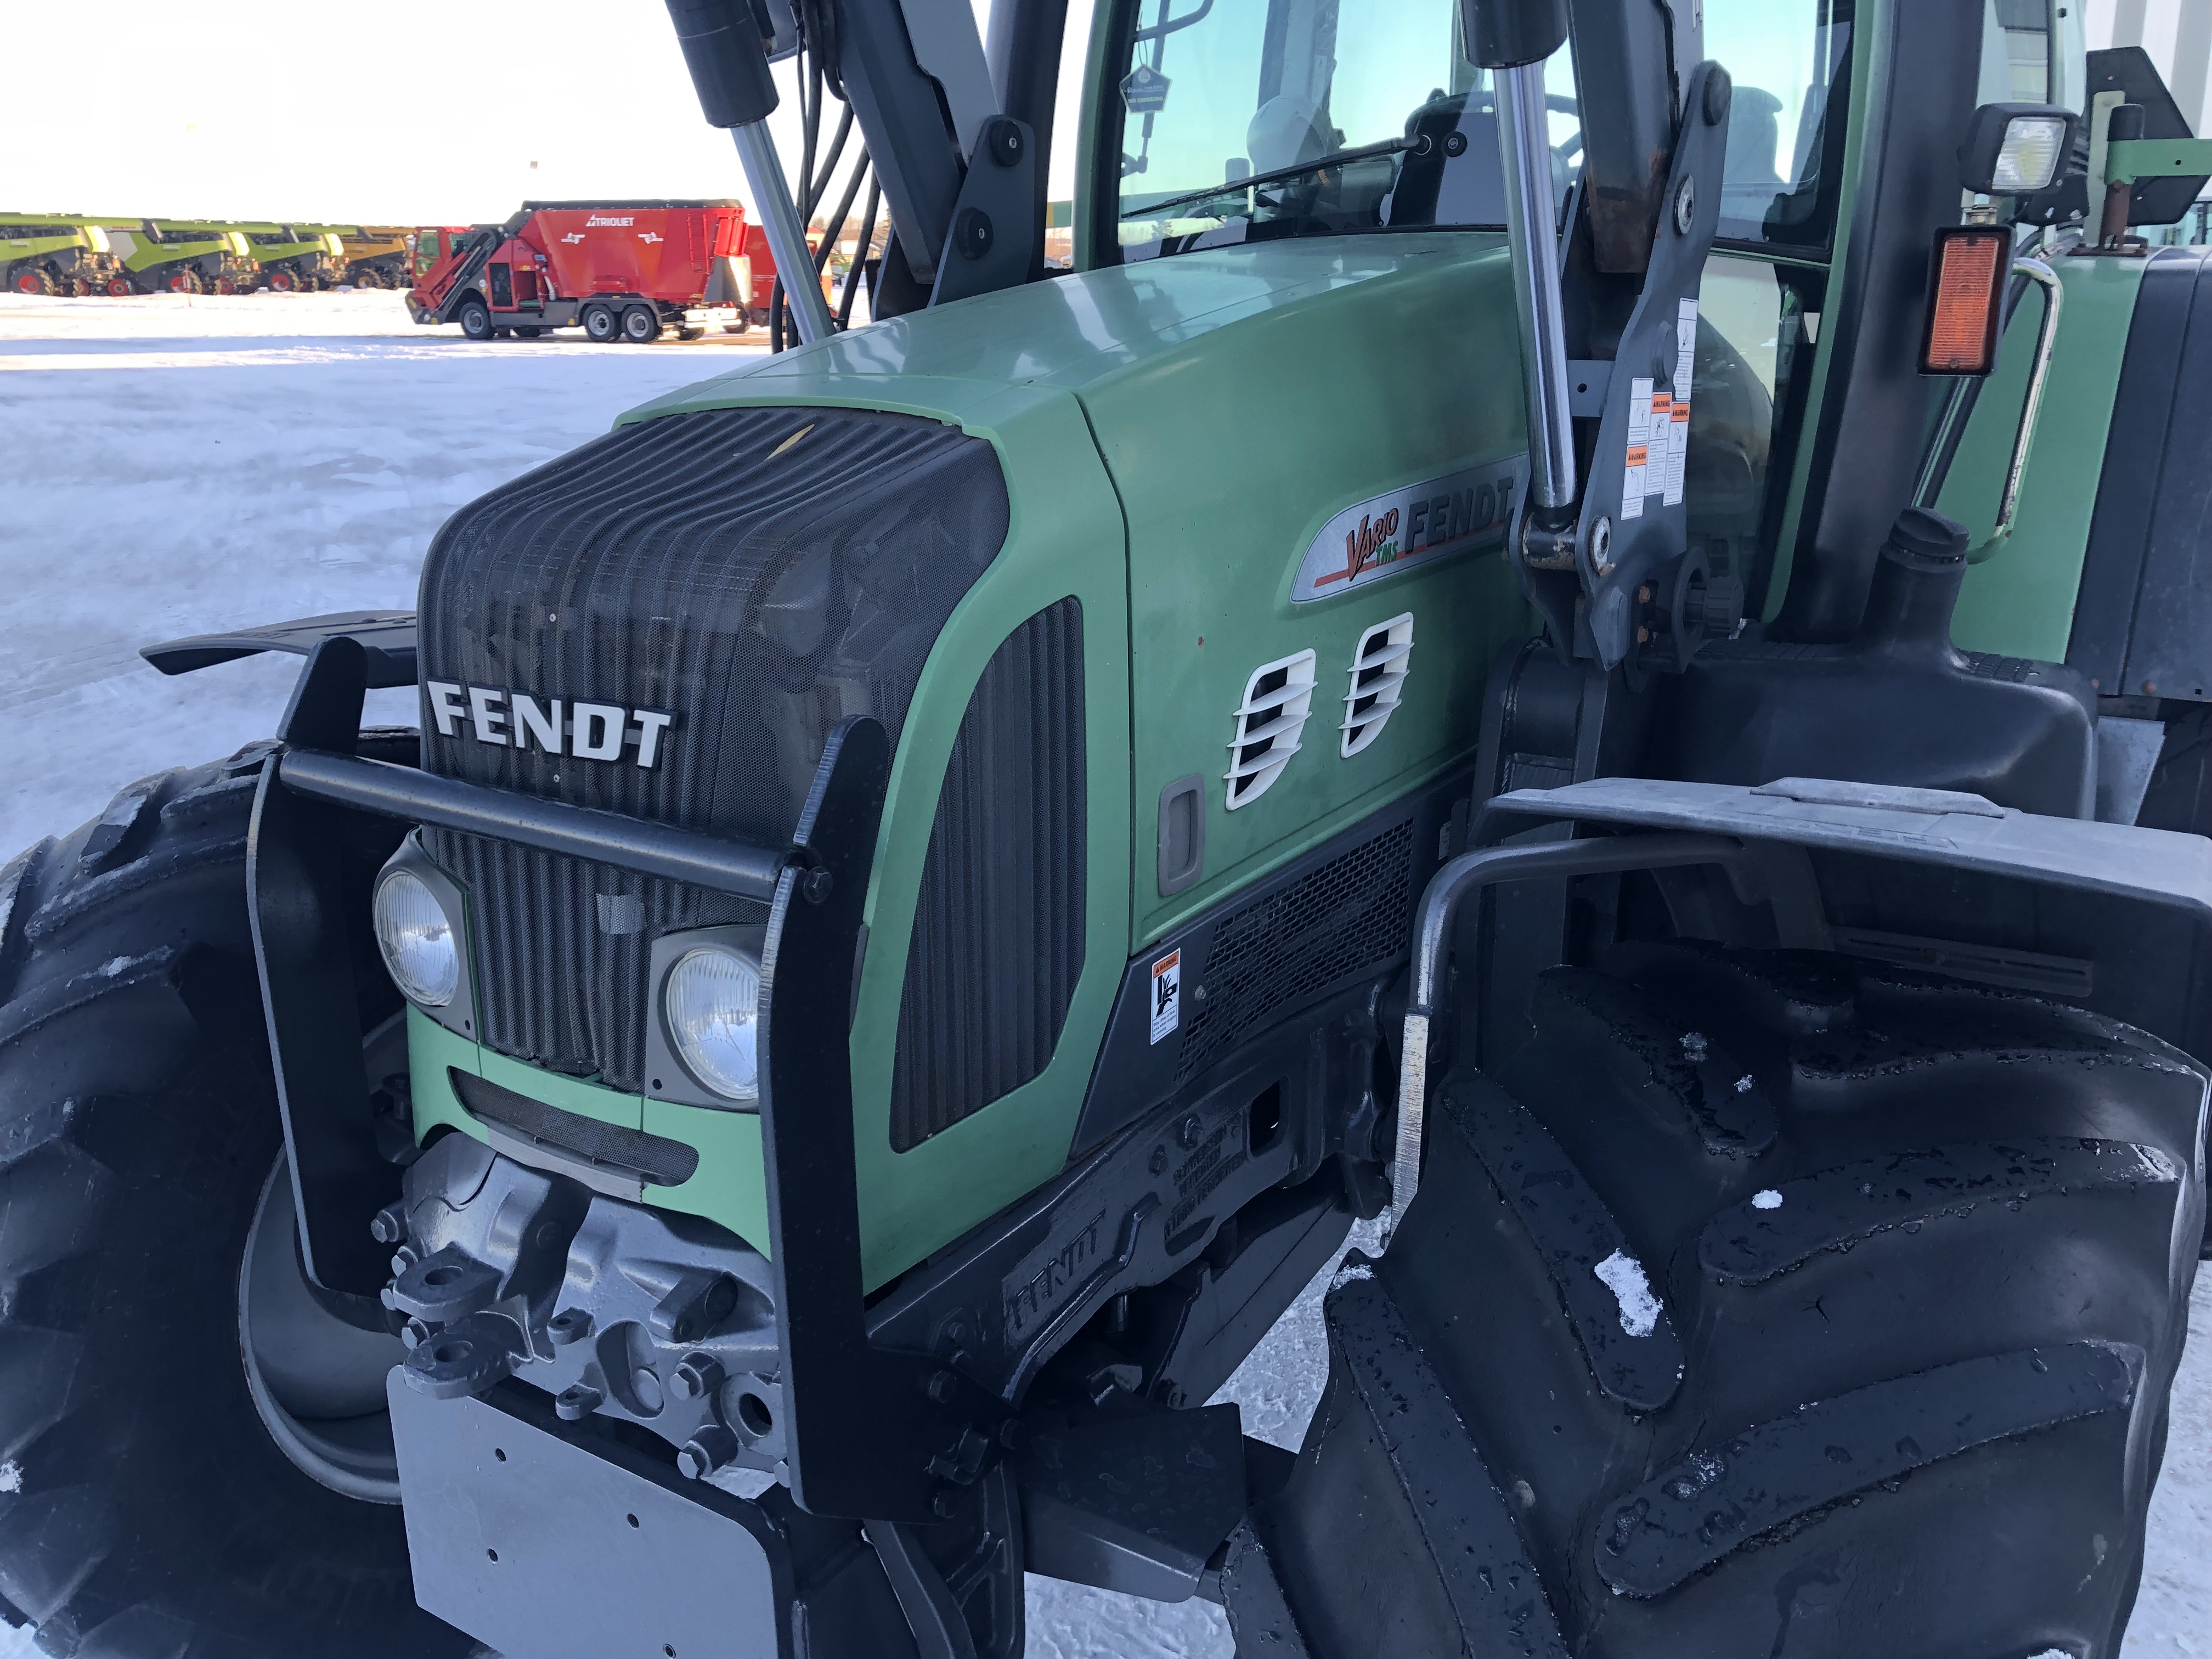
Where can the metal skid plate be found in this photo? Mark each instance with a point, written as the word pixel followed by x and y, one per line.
pixel 545 1549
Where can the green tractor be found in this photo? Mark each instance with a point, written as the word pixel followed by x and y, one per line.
pixel 1577 636
pixel 42 253
pixel 178 255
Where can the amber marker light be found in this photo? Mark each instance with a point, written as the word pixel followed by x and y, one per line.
pixel 1965 299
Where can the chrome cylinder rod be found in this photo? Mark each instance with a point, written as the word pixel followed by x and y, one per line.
pixel 1524 142
pixel 786 233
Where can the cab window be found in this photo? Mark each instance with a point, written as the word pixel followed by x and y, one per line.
pixel 1243 119
pixel 1763 289
pixel 1791 62
pixel 1757 321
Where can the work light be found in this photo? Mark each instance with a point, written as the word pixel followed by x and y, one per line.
pixel 2016 150
pixel 417 938
pixel 2028 159
pixel 711 1004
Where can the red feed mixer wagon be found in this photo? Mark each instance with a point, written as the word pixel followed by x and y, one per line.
pixel 618 269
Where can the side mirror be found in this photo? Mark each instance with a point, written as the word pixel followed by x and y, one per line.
pixel 2016 150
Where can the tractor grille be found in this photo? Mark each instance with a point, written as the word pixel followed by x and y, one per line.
pixel 762 574
pixel 1350 915
pixel 998 931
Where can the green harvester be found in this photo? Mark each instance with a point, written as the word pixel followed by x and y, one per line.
pixel 49 254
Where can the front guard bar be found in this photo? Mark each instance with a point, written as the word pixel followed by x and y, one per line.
pixel 874 1434
pixel 651 849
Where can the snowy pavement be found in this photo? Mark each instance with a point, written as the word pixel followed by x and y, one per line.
pixel 348 435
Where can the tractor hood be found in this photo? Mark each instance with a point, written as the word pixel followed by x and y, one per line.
pixel 1044 536
pixel 979 361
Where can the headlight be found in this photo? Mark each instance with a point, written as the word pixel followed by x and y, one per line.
pixel 712 1005
pixel 416 937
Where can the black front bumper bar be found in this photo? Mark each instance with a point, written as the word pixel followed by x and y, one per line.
pixel 580 832
pixel 873 1432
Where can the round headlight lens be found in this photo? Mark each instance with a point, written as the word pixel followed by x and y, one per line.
pixel 712 1005
pixel 416 938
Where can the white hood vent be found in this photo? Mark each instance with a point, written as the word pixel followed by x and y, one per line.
pixel 1277 700
pixel 1378 680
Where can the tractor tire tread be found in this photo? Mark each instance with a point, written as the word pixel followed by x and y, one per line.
pixel 1971 1208
pixel 144 1512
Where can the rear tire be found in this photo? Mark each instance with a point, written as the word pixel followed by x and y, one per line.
pixel 475 319
pixel 31 280
pixel 641 324
pixel 1884 1399
pixel 600 324
pixel 147 1514
pixel 2179 797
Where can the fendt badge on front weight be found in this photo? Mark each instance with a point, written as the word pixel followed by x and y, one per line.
pixel 587 731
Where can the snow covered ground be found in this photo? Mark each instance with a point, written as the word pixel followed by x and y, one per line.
pixel 347 434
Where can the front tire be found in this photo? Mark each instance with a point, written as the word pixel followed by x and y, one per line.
pixel 147 1511
pixel 475 319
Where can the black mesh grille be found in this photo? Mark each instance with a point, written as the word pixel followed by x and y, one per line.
pixel 998 927
pixel 761 572
pixel 1349 915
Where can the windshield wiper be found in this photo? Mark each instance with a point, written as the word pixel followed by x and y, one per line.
pixel 1387 147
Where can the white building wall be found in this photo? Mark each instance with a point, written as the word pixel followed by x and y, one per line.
pixel 2177 34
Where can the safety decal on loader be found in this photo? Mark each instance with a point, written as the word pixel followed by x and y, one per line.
pixel 1167 994
pixel 1659 426
pixel 1455 513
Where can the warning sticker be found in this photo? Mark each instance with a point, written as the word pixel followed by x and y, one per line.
pixel 1686 346
pixel 1167 994
pixel 1633 482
